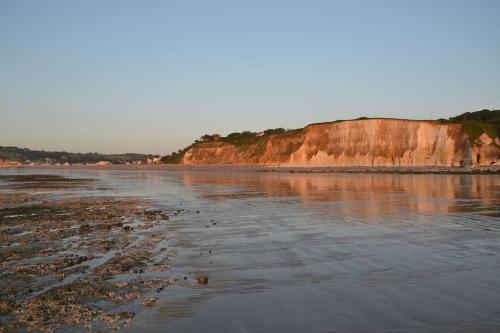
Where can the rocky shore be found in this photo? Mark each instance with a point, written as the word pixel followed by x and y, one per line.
pixel 72 260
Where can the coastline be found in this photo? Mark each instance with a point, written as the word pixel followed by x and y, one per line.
pixel 493 169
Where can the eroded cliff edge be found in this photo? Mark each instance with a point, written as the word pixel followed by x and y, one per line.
pixel 361 142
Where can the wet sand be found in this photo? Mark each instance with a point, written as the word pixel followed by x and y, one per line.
pixel 268 252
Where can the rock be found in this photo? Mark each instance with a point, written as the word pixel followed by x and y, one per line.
pixel 148 302
pixel 202 279
pixel 60 276
pixel 4 307
pixel 85 227
pixel 127 314
pixel 121 284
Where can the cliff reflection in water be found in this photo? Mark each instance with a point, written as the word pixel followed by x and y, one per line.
pixel 364 195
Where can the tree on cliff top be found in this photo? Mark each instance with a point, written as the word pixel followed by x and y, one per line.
pixel 210 137
pixel 483 115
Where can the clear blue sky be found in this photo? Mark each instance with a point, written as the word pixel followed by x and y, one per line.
pixel 152 76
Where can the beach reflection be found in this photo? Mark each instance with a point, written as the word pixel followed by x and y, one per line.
pixel 364 194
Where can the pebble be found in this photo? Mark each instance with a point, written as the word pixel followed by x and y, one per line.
pixel 202 279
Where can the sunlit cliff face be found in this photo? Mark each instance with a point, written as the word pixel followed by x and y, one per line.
pixel 380 142
pixel 368 142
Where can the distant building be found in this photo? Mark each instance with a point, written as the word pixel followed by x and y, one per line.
pixel 9 163
pixel 103 163
pixel 49 161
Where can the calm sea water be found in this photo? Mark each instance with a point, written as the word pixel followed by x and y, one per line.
pixel 323 252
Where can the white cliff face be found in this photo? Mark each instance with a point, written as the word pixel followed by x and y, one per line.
pixel 367 142
pixel 381 142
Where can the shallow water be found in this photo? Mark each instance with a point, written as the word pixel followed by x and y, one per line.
pixel 323 252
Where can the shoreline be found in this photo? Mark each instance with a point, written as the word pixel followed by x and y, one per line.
pixel 493 169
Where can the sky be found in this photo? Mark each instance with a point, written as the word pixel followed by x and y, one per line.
pixel 153 76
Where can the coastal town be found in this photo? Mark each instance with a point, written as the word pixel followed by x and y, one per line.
pixel 24 157
pixel 51 162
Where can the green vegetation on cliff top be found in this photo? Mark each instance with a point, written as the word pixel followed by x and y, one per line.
pixel 238 139
pixel 176 156
pixel 479 122
pixel 483 115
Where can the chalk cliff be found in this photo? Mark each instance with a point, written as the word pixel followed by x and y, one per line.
pixel 361 142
